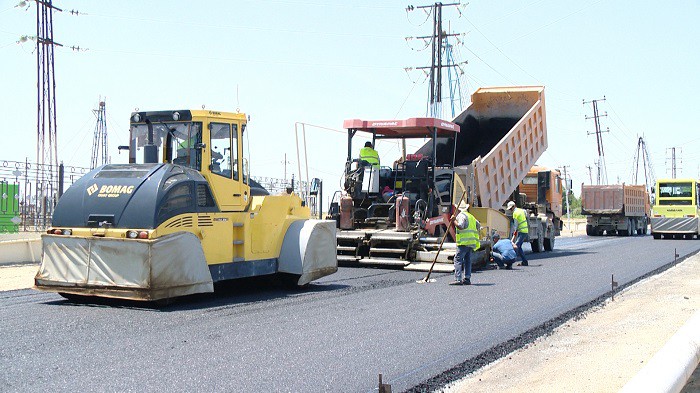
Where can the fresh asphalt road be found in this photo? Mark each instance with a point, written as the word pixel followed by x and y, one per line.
pixel 336 336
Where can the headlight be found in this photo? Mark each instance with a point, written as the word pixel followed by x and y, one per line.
pixel 176 116
pixel 136 118
pixel 132 234
pixel 67 232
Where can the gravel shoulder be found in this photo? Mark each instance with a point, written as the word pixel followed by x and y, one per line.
pixel 604 349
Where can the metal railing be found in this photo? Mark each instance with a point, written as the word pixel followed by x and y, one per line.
pixel 30 192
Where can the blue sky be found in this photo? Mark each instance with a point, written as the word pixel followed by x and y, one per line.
pixel 320 62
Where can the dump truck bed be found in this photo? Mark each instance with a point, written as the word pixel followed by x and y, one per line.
pixel 502 134
pixel 628 200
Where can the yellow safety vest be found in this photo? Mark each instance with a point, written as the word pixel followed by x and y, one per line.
pixel 469 236
pixel 370 155
pixel 520 217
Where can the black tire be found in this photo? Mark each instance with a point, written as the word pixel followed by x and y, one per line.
pixel 538 244
pixel 656 236
pixel 590 231
pixel 549 244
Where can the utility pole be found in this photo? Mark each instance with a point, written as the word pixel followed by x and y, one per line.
pixel 568 215
pixel 99 141
pixel 46 148
pixel 590 174
pixel 438 41
pixel 285 162
pixel 674 166
pixel 602 177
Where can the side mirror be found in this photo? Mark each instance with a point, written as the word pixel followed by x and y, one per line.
pixel 200 146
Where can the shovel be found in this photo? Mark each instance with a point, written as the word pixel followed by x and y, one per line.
pixel 427 278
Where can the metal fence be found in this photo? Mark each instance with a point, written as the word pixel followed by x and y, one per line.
pixel 29 192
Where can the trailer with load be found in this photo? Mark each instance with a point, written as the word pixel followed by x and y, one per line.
pixel 615 209
pixel 187 215
pixel 394 214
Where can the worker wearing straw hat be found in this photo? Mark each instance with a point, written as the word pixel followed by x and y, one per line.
pixel 467 228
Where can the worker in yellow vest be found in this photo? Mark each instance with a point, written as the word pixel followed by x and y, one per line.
pixel 369 155
pixel 520 234
pixel 467 228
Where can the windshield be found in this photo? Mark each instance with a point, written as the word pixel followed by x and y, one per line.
pixel 675 190
pixel 176 142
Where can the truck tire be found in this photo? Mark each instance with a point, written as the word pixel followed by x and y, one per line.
pixel 538 244
pixel 590 231
pixel 549 243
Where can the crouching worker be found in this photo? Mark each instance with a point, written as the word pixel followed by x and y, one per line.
pixel 503 252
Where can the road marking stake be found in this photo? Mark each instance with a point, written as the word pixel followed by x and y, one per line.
pixel 383 387
pixel 675 255
pixel 613 285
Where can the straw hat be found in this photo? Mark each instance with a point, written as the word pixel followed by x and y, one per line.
pixel 463 206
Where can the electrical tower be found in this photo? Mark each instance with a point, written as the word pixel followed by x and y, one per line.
pixel 674 157
pixel 649 178
pixel 46 147
pixel 438 41
pixel 99 141
pixel 602 177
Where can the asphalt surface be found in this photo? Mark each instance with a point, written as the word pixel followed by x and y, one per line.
pixel 337 335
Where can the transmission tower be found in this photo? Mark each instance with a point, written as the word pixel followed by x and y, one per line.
pixel 99 141
pixel 46 149
pixel 602 177
pixel 438 41
pixel 643 152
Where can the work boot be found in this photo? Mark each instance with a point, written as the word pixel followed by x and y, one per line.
pixel 455 283
pixel 509 266
pixel 466 281
pixel 523 263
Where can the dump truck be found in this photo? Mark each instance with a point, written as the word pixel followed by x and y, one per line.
pixel 483 153
pixel 183 217
pixel 676 212
pixel 540 194
pixel 615 209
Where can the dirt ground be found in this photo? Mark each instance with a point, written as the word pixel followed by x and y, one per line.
pixel 605 349
pixel 17 276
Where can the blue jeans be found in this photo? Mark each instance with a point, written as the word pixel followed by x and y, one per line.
pixel 519 242
pixel 463 263
pixel 500 260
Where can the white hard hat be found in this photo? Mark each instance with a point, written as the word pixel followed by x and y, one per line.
pixel 510 205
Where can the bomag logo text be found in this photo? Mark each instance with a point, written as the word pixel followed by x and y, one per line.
pixel 110 191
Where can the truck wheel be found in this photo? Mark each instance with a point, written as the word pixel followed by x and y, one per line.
pixel 549 244
pixel 590 231
pixel 538 244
